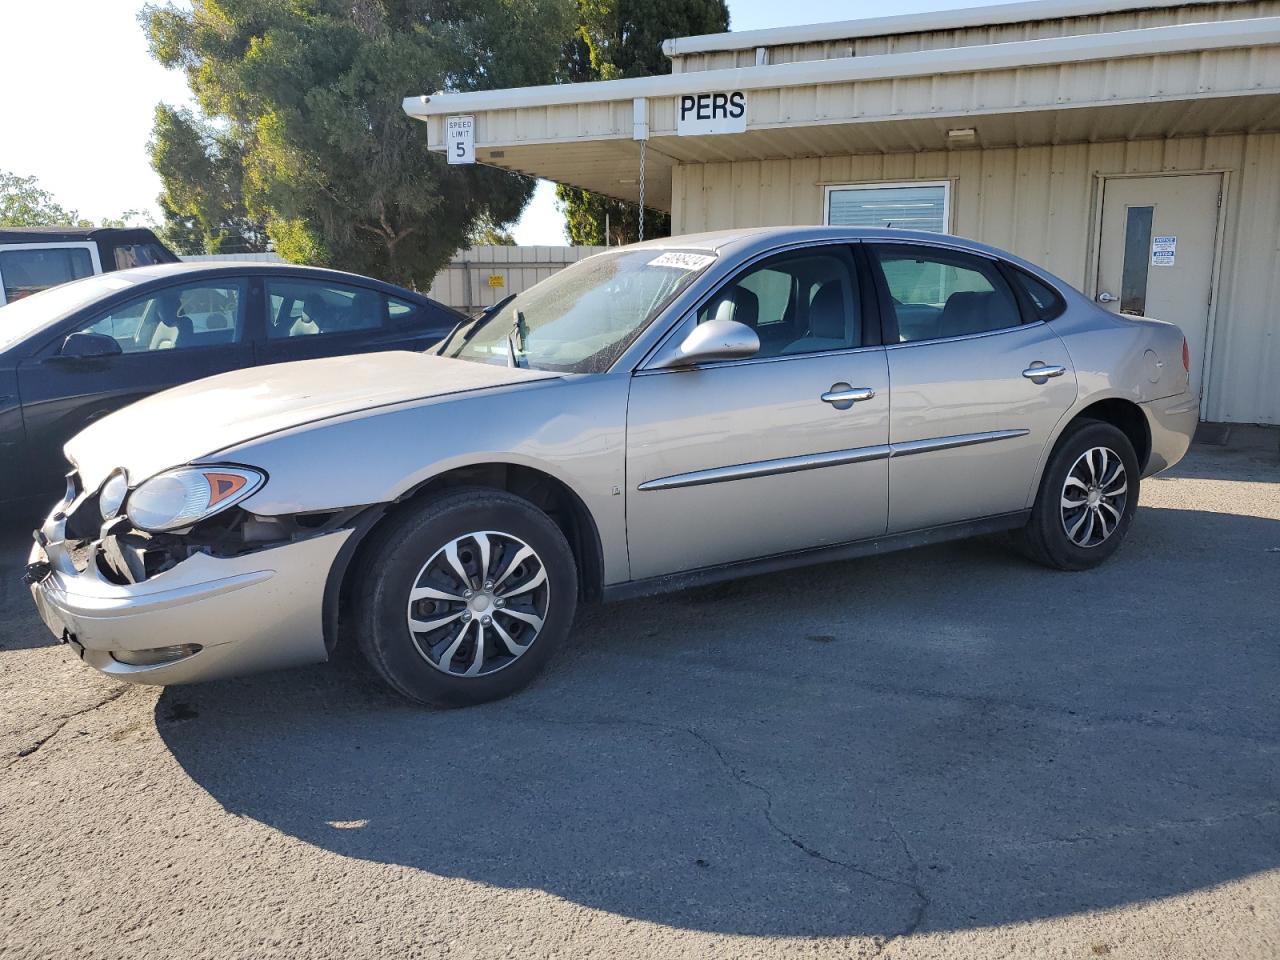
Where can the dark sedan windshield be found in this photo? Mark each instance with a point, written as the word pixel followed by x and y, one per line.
pixel 30 314
pixel 581 319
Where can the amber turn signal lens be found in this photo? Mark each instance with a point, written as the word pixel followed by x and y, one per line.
pixel 1186 356
pixel 223 485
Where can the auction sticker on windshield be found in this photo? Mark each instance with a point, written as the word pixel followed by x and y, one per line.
pixel 682 261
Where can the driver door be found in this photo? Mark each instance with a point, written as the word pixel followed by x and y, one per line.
pixel 743 459
pixel 166 337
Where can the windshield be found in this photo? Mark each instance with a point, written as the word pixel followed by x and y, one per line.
pixel 581 319
pixel 27 316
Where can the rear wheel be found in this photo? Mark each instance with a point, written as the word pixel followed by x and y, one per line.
pixel 1087 498
pixel 466 598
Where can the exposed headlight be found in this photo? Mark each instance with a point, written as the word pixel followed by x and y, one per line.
pixel 112 494
pixel 179 498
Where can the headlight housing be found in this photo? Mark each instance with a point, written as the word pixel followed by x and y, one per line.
pixel 178 498
pixel 111 496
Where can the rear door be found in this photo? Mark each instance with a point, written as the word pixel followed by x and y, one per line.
pixel 308 318
pixel 971 414
pixel 169 336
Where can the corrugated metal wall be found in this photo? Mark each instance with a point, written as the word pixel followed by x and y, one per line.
pixel 1040 202
pixel 464 283
pixel 973 36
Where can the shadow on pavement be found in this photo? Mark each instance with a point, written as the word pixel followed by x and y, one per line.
pixel 939 739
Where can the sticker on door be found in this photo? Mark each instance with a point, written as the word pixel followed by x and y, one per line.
pixel 1163 250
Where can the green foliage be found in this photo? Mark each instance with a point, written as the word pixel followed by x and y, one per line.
pixel 202 170
pixel 623 38
pixel 486 233
pixel 309 92
pixel 587 214
pixel 130 218
pixel 24 204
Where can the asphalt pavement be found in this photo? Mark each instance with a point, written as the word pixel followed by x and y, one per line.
pixel 945 752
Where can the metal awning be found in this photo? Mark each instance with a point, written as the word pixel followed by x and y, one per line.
pixel 1169 81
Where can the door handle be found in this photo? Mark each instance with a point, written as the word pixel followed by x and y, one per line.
pixel 1105 297
pixel 842 396
pixel 1039 373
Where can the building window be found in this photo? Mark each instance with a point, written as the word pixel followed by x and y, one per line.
pixel 901 206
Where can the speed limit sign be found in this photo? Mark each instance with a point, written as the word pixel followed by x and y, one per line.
pixel 460 139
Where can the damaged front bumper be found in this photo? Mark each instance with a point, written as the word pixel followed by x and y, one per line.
pixel 205 615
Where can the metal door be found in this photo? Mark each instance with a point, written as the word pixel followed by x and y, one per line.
pixel 1156 253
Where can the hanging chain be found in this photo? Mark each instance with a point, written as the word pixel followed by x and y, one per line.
pixel 642 143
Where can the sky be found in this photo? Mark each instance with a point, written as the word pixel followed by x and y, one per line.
pixel 80 116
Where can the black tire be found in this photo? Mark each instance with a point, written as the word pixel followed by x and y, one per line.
pixel 394 564
pixel 1045 538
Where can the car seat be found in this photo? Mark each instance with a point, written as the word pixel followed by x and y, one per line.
pixel 828 322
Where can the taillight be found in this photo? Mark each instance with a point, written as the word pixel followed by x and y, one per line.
pixel 1186 356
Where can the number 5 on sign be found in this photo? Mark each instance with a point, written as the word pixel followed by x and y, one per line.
pixel 460 139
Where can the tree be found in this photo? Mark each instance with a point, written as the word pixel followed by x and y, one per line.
pixel 310 92
pixel 616 39
pixel 486 233
pixel 24 204
pixel 202 170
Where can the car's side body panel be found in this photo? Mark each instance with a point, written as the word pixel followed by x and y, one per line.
pixel 571 429
pixel 744 459
pixel 971 388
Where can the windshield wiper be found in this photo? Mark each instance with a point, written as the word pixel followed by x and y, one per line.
pixel 518 332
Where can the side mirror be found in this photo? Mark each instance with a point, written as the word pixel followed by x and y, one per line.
pixel 88 346
pixel 714 340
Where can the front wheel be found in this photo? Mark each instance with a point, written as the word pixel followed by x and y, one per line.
pixel 1087 498
pixel 465 598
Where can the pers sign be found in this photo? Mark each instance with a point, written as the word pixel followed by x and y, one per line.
pixel 702 113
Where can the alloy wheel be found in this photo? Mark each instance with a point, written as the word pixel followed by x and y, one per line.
pixel 478 604
pixel 1094 497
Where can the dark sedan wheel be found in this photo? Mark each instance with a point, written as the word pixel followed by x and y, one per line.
pixel 1087 498
pixel 464 599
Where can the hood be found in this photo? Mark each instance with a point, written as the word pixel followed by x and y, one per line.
pixel 198 419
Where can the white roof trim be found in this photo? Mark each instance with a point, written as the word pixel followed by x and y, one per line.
pixel 1181 38
pixel 1029 10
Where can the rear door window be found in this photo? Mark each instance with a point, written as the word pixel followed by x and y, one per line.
pixel 935 294
pixel 308 308
pixel 28 270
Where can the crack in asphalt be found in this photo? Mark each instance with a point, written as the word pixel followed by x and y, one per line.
pixel 913 886
pixel 62 721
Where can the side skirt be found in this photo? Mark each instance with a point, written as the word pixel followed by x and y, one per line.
pixel 801 558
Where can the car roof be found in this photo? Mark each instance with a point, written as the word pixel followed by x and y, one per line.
pixel 160 271
pixel 54 234
pixel 749 241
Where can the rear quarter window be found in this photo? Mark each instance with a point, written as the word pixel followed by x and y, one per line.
pixel 1046 302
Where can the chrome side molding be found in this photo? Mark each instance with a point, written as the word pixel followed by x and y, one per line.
pixel 768 468
pixel 911 447
pixel 771 468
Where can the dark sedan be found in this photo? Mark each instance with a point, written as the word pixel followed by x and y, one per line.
pixel 77 352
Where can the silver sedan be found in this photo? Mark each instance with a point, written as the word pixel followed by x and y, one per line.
pixel 654 417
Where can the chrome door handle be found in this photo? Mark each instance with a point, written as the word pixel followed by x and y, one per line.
pixel 1040 373
pixel 842 396
pixel 1105 297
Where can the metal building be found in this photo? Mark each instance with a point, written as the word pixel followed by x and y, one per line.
pixel 1131 147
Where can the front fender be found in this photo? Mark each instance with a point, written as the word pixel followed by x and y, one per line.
pixel 572 429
